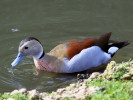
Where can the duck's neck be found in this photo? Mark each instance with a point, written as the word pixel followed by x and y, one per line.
pixel 39 55
pixel 42 55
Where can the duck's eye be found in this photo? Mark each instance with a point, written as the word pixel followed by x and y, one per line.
pixel 25 47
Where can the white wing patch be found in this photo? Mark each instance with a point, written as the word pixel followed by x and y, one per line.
pixel 113 50
pixel 86 59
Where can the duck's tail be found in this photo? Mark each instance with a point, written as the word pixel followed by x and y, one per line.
pixel 114 46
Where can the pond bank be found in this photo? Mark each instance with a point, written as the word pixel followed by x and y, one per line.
pixel 115 82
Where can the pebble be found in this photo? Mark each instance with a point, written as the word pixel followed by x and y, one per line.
pixel 23 90
pixel 126 76
pixel 33 95
pixel 112 63
pixel 14 92
pixel 94 75
pixel 131 89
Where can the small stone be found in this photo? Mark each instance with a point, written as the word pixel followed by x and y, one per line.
pixel 43 94
pixel 23 90
pixel 112 63
pixel 57 96
pixel 126 76
pixel 81 92
pixel 131 71
pixel 33 95
pixel 14 92
pixel 102 88
pixel 118 68
pixel 72 85
pixel 127 68
pixel 7 93
pixel 82 87
pixel 94 75
pixel 60 91
pixel 10 99
pixel 92 89
pixel 80 76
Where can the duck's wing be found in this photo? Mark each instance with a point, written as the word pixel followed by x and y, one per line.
pixel 76 46
pixel 71 48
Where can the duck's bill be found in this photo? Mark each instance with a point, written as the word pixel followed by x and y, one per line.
pixel 17 60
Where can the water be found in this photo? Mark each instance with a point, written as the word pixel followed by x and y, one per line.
pixel 54 22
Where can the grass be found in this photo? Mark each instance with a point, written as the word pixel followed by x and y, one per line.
pixel 69 99
pixel 119 74
pixel 114 90
pixel 18 96
pixel 117 88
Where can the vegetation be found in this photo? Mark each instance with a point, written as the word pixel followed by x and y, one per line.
pixel 116 83
pixel 118 90
pixel 18 96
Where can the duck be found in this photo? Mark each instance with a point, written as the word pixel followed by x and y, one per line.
pixel 72 56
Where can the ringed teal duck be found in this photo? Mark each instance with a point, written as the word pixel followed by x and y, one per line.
pixel 72 56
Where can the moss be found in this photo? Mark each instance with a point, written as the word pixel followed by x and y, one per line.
pixel 52 94
pixel 118 90
pixel 117 80
pixel 122 71
pixel 4 96
pixel 18 96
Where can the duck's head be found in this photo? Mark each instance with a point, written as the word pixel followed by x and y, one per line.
pixel 28 46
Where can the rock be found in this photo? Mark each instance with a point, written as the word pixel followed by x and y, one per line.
pixel 131 71
pixel 60 91
pixel 108 72
pixel 72 85
pixel 92 89
pixel 127 76
pixel 57 96
pixel 10 99
pixel 47 98
pixel 127 68
pixel 102 88
pixel 119 71
pixel 33 95
pixel 110 69
pixel 14 92
pixel 43 94
pixel 118 68
pixel 112 63
pixel 80 94
pixel 94 75
pixel 8 93
pixel 82 87
pixel 81 77
pixel 23 90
